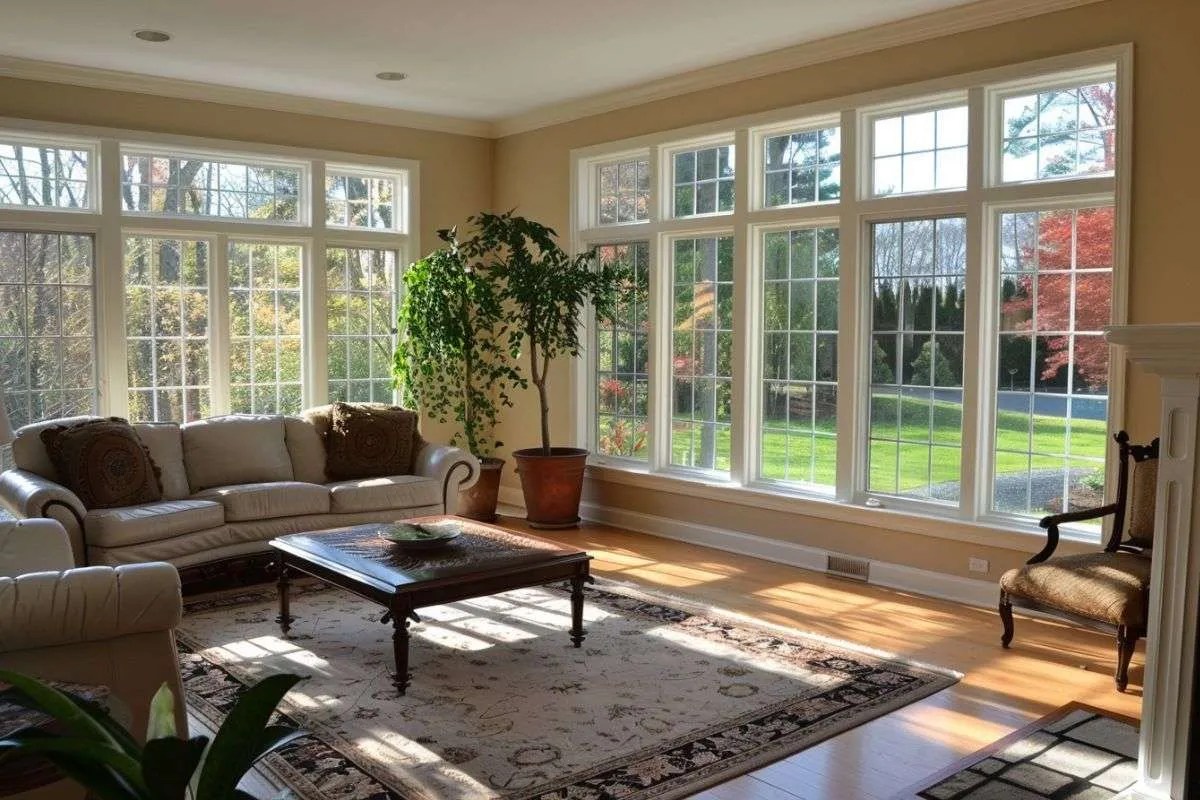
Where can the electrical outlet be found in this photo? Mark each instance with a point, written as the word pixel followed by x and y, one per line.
pixel 978 564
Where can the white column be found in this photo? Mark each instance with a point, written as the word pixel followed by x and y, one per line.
pixel 1173 353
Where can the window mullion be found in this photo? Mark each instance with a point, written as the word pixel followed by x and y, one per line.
pixel 979 315
pixel 109 288
pixel 218 325
pixel 314 327
pixel 741 455
pixel 853 321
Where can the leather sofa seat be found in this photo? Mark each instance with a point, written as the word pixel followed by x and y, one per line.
pixel 251 501
pixel 378 494
pixel 149 522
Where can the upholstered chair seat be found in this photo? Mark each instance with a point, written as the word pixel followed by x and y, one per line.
pixel 1108 587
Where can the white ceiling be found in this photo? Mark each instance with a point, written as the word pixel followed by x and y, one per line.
pixel 473 59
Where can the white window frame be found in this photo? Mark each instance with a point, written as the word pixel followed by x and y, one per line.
pixel 868 117
pixel 758 158
pixel 971 520
pixel 109 224
pixel 11 134
pixel 666 173
pixel 401 187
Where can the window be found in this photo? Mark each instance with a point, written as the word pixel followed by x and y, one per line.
pixel 44 175
pixel 624 192
pixel 166 328
pixel 354 200
pixel 923 151
pixel 361 307
pixel 622 380
pixel 1060 133
pixel 803 167
pixel 703 181
pixel 47 332
pixel 183 186
pixel 1052 405
pixel 702 352
pixel 265 325
pixel 799 356
pixel 918 280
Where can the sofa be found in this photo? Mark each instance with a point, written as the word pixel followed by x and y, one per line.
pixel 229 485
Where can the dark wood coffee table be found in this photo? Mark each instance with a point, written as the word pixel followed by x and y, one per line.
pixel 484 560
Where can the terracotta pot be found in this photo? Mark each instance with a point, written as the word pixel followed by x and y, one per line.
pixel 552 485
pixel 479 502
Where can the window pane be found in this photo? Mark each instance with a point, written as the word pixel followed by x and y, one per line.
pixel 799 357
pixel 623 192
pixel 361 308
pixel 623 357
pixel 358 200
pixel 802 167
pixel 918 294
pixel 179 186
pixel 923 151
pixel 166 328
pixel 702 348
pixel 47 335
pixel 1059 133
pixel 48 176
pixel 264 319
pixel 1052 407
pixel 704 181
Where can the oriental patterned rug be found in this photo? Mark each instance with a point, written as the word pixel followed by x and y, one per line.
pixel 663 699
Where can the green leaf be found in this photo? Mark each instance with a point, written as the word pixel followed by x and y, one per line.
pixel 99 780
pixel 80 751
pixel 169 763
pixel 34 694
pixel 162 715
pixel 233 750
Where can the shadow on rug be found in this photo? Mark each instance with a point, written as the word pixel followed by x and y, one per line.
pixel 1074 753
pixel 663 700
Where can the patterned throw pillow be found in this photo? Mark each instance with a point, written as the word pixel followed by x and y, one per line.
pixel 103 462
pixel 369 441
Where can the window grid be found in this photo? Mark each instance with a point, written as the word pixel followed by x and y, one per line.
pixel 361 308
pixel 922 151
pixel 704 181
pixel 702 352
pixel 799 357
pixel 802 167
pixel 166 328
pixel 621 379
pixel 183 186
pixel 265 325
pixel 45 176
pixel 354 200
pixel 1059 133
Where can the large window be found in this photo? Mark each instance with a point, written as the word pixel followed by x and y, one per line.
pixel 49 176
pixel 361 308
pixel 356 200
pixel 623 191
pixel 264 323
pixel 894 307
pixel 173 185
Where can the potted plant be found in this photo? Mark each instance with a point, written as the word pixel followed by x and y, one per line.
pixel 455 359
pixel 544 291
pixel 100 755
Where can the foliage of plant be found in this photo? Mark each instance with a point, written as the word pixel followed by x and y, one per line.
pixel 543 288
pixel 96 752
pixel 456 356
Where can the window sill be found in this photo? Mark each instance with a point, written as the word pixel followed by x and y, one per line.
pixel 1001 533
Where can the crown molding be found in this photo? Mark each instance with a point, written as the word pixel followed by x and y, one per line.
pixel 53 72
pixel 958 19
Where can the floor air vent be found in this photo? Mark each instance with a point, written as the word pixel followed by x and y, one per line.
pixel 857 569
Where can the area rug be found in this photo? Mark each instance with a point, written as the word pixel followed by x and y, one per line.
pixel 663 699
pixel 1075 753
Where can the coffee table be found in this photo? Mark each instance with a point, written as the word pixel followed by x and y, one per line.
pixel 483 560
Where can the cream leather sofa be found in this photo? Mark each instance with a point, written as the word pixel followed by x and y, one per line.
pixel 230 484
pixel 106 626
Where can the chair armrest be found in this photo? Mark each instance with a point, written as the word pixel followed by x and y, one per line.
pixel 454 468
pixel 34 545
pixel 89 604
pixel 28 494
pixel 1052 522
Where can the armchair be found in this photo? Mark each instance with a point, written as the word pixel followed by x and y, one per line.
pixel 1107 590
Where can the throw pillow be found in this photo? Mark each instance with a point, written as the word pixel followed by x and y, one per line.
pixel 104 463
pixel 369 441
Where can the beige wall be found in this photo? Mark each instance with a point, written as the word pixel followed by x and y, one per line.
pixel 532 174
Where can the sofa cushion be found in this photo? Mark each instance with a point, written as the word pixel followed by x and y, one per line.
pixel 242 448
pixel 306 448
pixel 369 442
pixel 1109 587
pixel 380 494
pixel 29 451
pixel 165 444
pixel 250 501
pixel 117 527
pixel 103 462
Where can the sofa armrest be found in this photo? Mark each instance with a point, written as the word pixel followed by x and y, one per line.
pixel 89 604
pixel 452 467
pixel 34 545
pixel 27 494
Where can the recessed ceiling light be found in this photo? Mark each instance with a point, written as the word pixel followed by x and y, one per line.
pixel 147 35
pixel 391 76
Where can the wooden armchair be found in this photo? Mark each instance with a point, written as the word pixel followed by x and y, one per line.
pixel 1107 590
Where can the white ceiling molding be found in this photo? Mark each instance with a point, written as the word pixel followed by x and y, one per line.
pixel 949 21
pixel 116 80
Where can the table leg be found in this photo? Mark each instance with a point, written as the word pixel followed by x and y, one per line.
pixel 577 631
pixel 283 582
pixel 400 639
